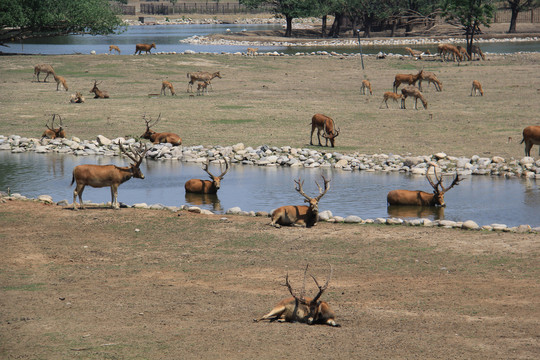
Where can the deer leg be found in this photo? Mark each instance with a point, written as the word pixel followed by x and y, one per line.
pixel 78 191
pixel 114 197
pixel 528 147
pixel 276 313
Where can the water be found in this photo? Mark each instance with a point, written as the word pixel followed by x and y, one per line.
pixel 483 199
pixel 167 39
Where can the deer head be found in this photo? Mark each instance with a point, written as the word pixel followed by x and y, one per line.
pixel 330 133
pixel 95 88
pixel 216 180
pixel 58 132
pixel 438 189
pixel 137 155
pixel 313 202
pixel 148 133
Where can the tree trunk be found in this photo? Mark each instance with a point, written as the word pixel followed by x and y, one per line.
pixel 394 27
pixel 323 29
pixel 368 21
pixel 336 26
pixel 288 31
pixel 513 19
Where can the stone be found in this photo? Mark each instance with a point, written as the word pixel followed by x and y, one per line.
pixel 103 141
pixel 352 219
pixel 325 215
pixel 234 210
pixel 470 225
pixel 45 198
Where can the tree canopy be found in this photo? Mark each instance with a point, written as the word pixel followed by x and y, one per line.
pixel 20 19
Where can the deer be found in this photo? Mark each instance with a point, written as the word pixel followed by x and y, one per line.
pixel 476 88
pixel 52 132
pixel 531 136
pixel 115 48
pixel 98 93
pixel 448 49
pixel 415 92
pixel 463 52
pixel 144 47
pixel 476 50
pixel 159 138
pixel 45 68
pixel 76 98
pixel 201 76
pixel 300 215
pixel 60 80
pixel 325 125
pixel 98 176
pixel 407 78
pixel 202 87
pixel 366 85
pixel 414 53
pixel 167 85
pixel 421 198
pixel 199 186
pixel 431 78
pixel 299 308
pixel 390 95
pixel 252 51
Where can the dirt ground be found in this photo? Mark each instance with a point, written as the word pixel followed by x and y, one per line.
pixel 147 284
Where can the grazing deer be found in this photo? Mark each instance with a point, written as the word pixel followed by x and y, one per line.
pixel 60 80
pixel 107 175
pixel 98 93
pixel 76 98
pixel 158 138
pixel 390 95
pixel 415 92
pixel 325 125
pixel 476 88
pixel 45 68
pixel 252 51
pixel 476 50
pixel 414 53
pixel 202 87
pixel 366 85
pixel 407 78
pixel 299 308
pixel 206 186
pixel 463 52
pixel 201 76
pixel 167 85
pixel 431 78
pixel 115 48
pixel 531 136
pixel 421 198
pixel 144 47
pixel 448 49
pixel 300 215
pixel 52 132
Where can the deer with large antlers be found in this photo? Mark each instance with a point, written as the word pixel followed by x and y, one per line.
pixel 300 215
pixel 325 125
pixel 159 138
pixel 531 136
pixel 299 308
pixel 206 186
pixel 414 92
pixel 52 132
pixel 201 76
pixel 107 175
pixel 421 198
pixel 407 78
pixel 98 93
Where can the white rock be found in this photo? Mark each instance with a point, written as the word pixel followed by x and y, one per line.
pixel 352 219
pixel 103 141
pixel 470 225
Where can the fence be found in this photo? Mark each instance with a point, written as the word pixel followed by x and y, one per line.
pixel 529 16
pixel 200 8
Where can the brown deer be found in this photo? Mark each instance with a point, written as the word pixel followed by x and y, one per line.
pixel 206 186
pixel 52 132
pixel 421 198
pixel 390 95
pixel 158 138
pixel 407 78
pixel 60 80
pixel 202 87
pixel 299 308
pixel 414 53
pixel 463 52
pixel 431 78
pixel 76 98
pixel 414 92
pixel 201 76
pixel 45 68
pixel 167 85
pixel 300 215
pixel 144 47
pixel 115 48
pixel 107 175
pixel 448 49
pixel 325 125
pixel 476 88
pixel 366 85
pixel 98 93
pixel 476 50
pixel 531 136
pixel 252 51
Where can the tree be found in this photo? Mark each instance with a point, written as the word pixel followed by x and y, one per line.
pixel 21 19
pixel 470 14
pixel 517 6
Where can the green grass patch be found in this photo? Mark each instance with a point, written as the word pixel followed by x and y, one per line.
pixel 25 287
pixel 233 107
pixel 232 121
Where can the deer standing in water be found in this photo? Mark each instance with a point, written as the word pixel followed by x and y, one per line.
pixel 206 186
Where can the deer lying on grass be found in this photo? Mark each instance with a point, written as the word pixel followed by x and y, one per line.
pixel 431 78
pixel 202 87
pixel 300 215
pixel 167 85
pixel 144 47
pixel 390 95
pixel 421 198
pixel 448 49
pixel 45 68
pixel 76 98
pixel 158 138
pixel 415 92
pixel 115 48
pixel 206 186
pixel 107 175
pixel 414 53
pixel 60 80
pixel 252 51
pixel 201 76
pixel 325 125
pixel 476 50
pixel 366 85
pixel 407 78
pixel 299 308
pixel 52 132
pixel 98 93
pixel 531 136
pixel 476 88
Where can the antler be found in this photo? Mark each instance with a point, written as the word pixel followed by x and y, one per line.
pixel 439 179
pixel 326 187
pixel 205 168
pixel 226 169
pixel 322 288
pixel 298 188
pixel 148 125
pixel 138 153
pixel 454 183
pixel 300 298
pixel 60 121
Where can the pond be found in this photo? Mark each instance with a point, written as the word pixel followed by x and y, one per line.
pixel 486 200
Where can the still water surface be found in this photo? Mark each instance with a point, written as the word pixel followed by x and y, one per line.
pixel 484 199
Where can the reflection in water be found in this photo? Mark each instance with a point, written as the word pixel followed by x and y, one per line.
pixel 204 199
pixel 406 211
